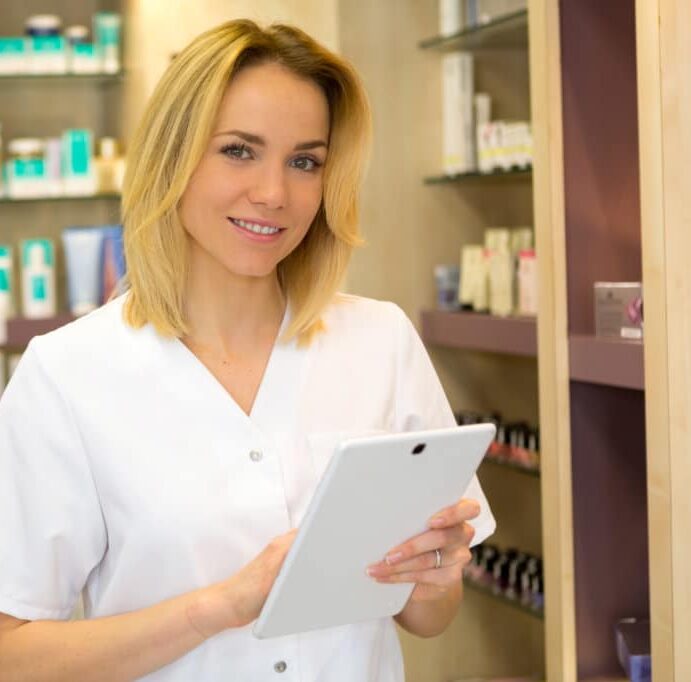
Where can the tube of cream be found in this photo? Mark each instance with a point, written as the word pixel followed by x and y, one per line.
pixel 83 259
pixel 113 259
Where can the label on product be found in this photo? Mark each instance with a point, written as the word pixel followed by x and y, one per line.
pixel 38 288
pixel 12 46
pixel 27 169
pixel 47 44
pixel 4 280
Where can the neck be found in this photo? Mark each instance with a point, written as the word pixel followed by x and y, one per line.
pixel 225 311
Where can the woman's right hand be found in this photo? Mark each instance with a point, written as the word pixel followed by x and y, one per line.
pixel 238 601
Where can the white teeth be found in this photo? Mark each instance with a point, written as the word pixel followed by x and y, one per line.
pixel 257 229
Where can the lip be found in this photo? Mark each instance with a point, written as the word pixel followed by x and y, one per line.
pixel 252 236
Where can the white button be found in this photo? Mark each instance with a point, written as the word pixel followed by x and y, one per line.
pixel 256 455
pixel 280 667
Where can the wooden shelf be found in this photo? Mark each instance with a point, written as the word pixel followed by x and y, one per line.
pixel 516 174
pixel 475 331
pixel 21 330
pixel 490 592
pixel 88 197
pixel 502 464
pixel 507 32
pixel 610 362
pixel 100 78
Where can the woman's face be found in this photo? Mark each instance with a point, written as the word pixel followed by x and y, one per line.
pixel 258 187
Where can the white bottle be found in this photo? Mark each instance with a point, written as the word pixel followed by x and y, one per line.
pixel 38 278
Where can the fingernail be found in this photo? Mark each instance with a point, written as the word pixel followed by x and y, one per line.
pixel 393 558
pixel 437 521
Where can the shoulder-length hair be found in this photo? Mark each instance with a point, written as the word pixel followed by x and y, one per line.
pixel 169 144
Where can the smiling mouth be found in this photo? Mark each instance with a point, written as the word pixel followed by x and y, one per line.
pixel 256 228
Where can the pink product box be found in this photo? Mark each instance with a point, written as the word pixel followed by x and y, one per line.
pixel 619 310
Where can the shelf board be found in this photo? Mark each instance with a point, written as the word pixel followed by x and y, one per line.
pixel 21 330
pixel 502 464
pixel 489 591
pixel 609 362
pixel 515 174
pixel 507 32
pixel 88 197
pixel 476 331
pixel 100 78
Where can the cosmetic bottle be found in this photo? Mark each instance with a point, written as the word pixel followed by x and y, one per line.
pixel 107 40
pixel 81 55
pixel 6 304
pixel 25 171
pixel 47 50
pixel 38 278
pixel 109 167
pixel 77 163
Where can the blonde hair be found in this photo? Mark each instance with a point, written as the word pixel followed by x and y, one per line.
pixel 169 144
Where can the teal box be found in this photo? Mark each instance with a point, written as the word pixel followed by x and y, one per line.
pixel 48 46
pixel 77 145
pixel 12 47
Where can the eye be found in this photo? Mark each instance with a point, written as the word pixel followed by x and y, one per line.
pixel 305 163
pixel 236 151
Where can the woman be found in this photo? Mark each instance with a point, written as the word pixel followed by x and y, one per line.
pixel 157 453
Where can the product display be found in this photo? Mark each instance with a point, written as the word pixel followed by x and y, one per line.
pixel 38 278
pixel 6 307
pixel 490 280
pixel 516 443
pixel 447 279
pixel 508 573
pixel 619 310
pixel 45 48
pixel 64 166
pixel 504 146
pixel 458 137
pixel 633 648
pixel 83 260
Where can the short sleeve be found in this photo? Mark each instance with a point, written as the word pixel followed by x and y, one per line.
pixel 52 532
pixel 422 404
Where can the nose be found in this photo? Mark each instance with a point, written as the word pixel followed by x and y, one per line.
pixel 269 187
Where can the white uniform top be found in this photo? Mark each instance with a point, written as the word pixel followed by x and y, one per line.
pixel 128 472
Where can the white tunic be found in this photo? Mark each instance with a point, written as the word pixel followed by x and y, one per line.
pixel 129 473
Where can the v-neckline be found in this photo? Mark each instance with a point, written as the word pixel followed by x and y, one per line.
pixel 276 350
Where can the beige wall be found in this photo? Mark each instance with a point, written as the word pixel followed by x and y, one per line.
pixel 157 29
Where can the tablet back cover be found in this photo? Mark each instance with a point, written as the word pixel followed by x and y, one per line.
pixel 374 495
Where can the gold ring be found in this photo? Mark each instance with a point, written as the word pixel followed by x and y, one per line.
pixel 437 563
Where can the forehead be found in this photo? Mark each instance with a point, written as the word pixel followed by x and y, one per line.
pixel 270 99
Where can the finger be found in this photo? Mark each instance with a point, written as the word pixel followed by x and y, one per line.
pixel 452 554
pixel 439 577
pixel 461 511
pixel 429 541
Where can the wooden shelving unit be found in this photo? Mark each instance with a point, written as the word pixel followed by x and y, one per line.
pixel 513 175
pixel 508 32
pixel 511 466
pixel 609 362
pixel 502 599
pixel 21 330
pixel 88 197
pixel 476 331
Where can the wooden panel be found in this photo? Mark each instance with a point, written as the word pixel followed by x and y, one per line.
pixel 548 193
pixel 20 330
pixel 512 335
pixel 600 150
pixel 610 362
pixel 610 519
pixel 665 109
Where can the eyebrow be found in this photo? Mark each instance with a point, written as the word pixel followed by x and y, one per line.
pixel 256 139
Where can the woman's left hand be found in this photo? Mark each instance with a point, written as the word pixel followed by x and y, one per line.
pixel 435 559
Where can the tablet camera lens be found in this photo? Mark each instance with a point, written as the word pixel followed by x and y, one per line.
pixel 418 448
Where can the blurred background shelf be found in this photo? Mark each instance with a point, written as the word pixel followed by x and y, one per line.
pixel 503 464
pixel 88 197
pixel 46 78
pixel 476 331
pixel 20 330
pixel 516 174
pixel 490 592
pixel 609 362
pixel 508 32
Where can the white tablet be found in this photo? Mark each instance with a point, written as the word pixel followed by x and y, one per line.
pixel 376 492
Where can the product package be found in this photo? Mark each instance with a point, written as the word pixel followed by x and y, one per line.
pixel 447 281
pixel 619 310
pixel 527 283
pixel 6 303
pixel 458 127
pixel 633 648
pixel 38 278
